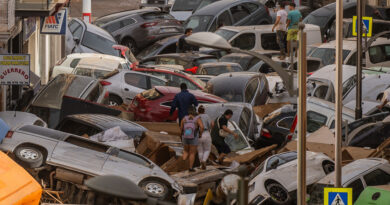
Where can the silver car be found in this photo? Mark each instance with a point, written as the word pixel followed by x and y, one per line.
pixel 34 146
pixel 124 85
pixel 16 118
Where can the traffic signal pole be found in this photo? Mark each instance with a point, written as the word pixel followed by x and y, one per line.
pixel 359 53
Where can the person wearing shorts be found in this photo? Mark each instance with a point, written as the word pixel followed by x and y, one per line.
pixel 293 19
pixel 221 123
pixel 190 144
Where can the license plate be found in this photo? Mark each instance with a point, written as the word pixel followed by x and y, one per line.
pixel 168 30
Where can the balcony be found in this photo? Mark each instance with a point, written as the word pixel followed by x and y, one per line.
pixel 28 8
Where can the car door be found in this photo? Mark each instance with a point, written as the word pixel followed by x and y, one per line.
pixel 224 19
pixel 251 91
pixel 240 15
pixel 244 41
pixel 69 125
pixel 357 188
pixel 75 31
pixel 127 164
pixel 80 154
pixel 134 83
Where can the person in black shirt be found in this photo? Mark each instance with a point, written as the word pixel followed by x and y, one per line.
pixel 182 45
pixel 221 123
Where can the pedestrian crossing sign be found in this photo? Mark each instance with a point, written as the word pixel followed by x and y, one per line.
pixel 337 196
pixel 367 26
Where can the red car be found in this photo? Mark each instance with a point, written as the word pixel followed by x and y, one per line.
pixel 154 105
pixel 175 77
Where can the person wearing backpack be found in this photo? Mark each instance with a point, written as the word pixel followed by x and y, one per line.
pixel 204 146
pixel 219 131
pixel 191 130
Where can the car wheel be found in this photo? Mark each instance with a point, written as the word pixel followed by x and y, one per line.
pixel 278 193
pixel 131 44
pixel 155 188
pixel 114 100
pixel 30 156
pixel 328 167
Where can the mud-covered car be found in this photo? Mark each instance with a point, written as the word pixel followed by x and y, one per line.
pixel 16 119
pixel 276 176
pixel 34 147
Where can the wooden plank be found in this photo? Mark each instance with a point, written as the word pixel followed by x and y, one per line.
pixel 263 110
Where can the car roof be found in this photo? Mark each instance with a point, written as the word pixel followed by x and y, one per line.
pixel 96 55
pixel 113 16
pixel 197 93
pixel 98 63
pixel 186 56
pixel 239 79
pixel 96 30
pixel 264 28
pixel 328 73
pixel 107 122
pixel 215 7
pixel 331 8
pixel 313 102
pixel 354 169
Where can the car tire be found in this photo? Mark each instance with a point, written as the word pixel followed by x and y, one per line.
pixel 278 193
pixel 114 100
pixel 328 167
pixel 155 188
pixel 131 44
pixel 29 156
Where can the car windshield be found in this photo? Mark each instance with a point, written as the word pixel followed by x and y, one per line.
pixel 198 23
pixel 95 73
pixel 327 55
pixel 155 15
pixel 185 5
pixel 320 21
pixel 242 60
pixel 99 44
pixel 217 70
pixel 149 51
pixel 226 34
pixel 206 60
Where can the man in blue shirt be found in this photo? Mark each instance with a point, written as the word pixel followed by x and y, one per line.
pixel 183 101
pixel 293 19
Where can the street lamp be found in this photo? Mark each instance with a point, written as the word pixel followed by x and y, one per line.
pixel 212 40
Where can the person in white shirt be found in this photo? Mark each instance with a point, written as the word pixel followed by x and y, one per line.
pixel 385 98
pixel 280 25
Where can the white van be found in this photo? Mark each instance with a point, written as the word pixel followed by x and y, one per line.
pixel 261 37
pixel 96 67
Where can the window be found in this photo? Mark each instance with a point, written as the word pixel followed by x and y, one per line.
pixel 377 177
pixel 95 93
pixel 167 61
pixel 213 26
pixel 250 91
pixel 226 34
pixel 169 49
pixel 177 80
pixel 77 128
pixel 185 5
pixel 239 12
pixel 156 82
pixel 269 42
pixel 156 16
pixel 315 121
pixel 379 53
pixel 245 120
pixel 352 60
pixel 136 80
pixel 127 22
pixel 95 73
pixel 327 55
pixel 113 26
pixel 99 44
pixel 88 144
pixel 357 188
pixel 285 123
pixel 251 7
pixel 132 158
pixel 245 41
pixel 74 62
pixel 224 19
pixel 282 159
pixel 349 84
pixel 76 29
pixel 257 171
pixel 198 23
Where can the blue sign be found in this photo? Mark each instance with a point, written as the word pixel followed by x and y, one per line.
pixel 54 24
pixel 367 26
pixel 4 128
pixel 337 196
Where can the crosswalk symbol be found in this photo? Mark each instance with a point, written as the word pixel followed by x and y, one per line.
pixel 338 196
pixel 367 26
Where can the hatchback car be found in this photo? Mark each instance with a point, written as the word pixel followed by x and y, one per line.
pixel 228 13
pixel 124 85
pixel 48 102
pixel 141 28
pixel 83 37
pixel 15 119
pixel 276 176
pixel 187 60
pixel 356 175
pixel 35 146
pixel 174 77
pixel 245 87
pixel 218 68
pixel 154 105
pixel 369 135
pixel 246 61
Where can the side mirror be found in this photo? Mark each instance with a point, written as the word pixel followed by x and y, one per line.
pixel 76 40
pixel 274 164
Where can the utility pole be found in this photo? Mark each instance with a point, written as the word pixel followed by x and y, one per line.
pixel 87 17
pixel 302 72
pixel 359 53
pixel 338 88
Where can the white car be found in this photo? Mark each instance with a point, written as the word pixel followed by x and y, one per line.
pixel 356 175
pixel 276 177
pixel 70 62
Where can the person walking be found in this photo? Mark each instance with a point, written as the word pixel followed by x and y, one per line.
pixel 293 19
pixel 182 46
pixel 191 130
pixel 280 25
pixel 183 101
pixel 219 131
pixel 204 146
